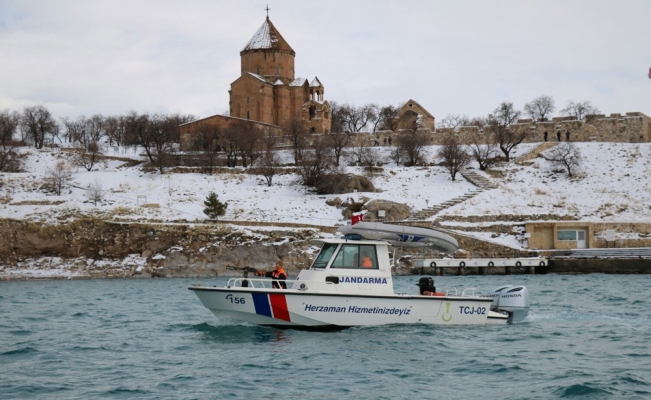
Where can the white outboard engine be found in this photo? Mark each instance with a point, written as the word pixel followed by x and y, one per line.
pixel 514 300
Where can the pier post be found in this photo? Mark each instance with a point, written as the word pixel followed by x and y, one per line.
pixel 462 271
pixel 532 270
pixel 481 270
pixel 508 271
pixel 438 271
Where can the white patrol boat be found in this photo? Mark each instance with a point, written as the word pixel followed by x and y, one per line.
pixel 350 284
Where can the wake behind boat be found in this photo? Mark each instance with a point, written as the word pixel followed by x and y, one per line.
pixel 350 284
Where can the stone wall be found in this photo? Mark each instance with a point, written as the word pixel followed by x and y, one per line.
pixel 633 127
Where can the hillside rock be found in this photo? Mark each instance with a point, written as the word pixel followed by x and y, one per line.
pixel 163 250
pixel 393 211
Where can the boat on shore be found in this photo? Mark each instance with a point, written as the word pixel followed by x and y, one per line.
pixel 350 284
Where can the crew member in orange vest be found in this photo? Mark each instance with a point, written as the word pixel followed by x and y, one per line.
pixel 278 276
pixel 367 262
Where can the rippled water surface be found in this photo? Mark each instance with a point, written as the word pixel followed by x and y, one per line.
pixel 588 336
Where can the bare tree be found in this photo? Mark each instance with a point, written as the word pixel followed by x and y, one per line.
pixel 453 154
pixel 9 121
pixel 57 177
pixel 356 118
pixel 9 160
pixel 268 163
pixel 115 129
pixel 154 134
pixel 94 192
pixel 359 147
pixel 337 118
pixel 375 116
pixel 207 141
pixel 579 110
pixel 410 147
pixel 172 124
pixel 317 166
pixel 480 122
pixel 371 157
pixel 229 142
pixel 88 157
pixel 164 133
pixel 389 117
pixel 94 129
pixel 483 150
pixel 249 144
pixel 339 142
pixel 566 155
pixel 499 124
pixel 294 130
pixel 75 130
pixel 505 114
pixel 137 126
pixel 540 108
pixel 37 124
pixel 454 121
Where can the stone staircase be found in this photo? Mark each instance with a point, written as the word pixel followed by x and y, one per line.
pixel 478 180
pixel 471 176
pixel 426 213
pixel 533 153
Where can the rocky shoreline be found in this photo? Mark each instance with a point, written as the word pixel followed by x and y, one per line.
pixel 96 249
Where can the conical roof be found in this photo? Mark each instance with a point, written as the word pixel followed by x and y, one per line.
pixel 268 37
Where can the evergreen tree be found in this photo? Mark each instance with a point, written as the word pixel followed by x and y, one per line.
pixel 214 207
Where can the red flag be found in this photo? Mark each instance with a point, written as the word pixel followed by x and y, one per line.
pixel 356 218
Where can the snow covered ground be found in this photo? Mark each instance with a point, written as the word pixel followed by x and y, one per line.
pixel 612 184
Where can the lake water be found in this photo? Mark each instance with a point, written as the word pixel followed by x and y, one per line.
pixel 588 336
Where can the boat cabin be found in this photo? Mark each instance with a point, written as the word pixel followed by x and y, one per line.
pixel 349 266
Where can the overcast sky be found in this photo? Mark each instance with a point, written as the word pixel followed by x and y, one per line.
pixel 460 57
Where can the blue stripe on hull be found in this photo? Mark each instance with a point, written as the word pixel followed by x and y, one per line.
pixel 261 302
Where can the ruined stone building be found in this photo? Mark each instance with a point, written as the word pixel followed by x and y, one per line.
pixel 268 93
pixel 412 114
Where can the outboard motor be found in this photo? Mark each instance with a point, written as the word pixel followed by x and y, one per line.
pixel 426 284
pixel 513 300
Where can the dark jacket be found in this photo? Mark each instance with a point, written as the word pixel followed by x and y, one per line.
pixel 278 278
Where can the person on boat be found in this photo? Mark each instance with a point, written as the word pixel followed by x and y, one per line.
pixel 366 261
pixel 278 276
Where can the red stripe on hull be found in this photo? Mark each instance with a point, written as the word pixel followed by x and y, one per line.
pixel 279 306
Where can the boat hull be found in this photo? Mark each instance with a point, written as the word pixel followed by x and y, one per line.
pixel 310 310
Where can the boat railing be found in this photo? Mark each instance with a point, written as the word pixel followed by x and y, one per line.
pixel 261 283
pixel 452 291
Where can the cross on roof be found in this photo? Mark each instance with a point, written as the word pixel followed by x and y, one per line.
pixel 267 9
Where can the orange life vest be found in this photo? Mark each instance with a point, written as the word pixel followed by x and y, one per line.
pixel 276 273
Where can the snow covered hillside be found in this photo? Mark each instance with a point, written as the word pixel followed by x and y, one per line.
pixel 612 184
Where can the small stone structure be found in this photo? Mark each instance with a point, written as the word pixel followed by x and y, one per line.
pixel 544 235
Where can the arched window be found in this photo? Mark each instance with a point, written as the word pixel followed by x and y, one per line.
pixel 277 70
pixel 247 115
pixel 257 70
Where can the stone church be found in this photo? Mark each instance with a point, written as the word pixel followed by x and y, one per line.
pixel 268 92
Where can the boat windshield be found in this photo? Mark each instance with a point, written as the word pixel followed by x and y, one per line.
pixel 325 255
